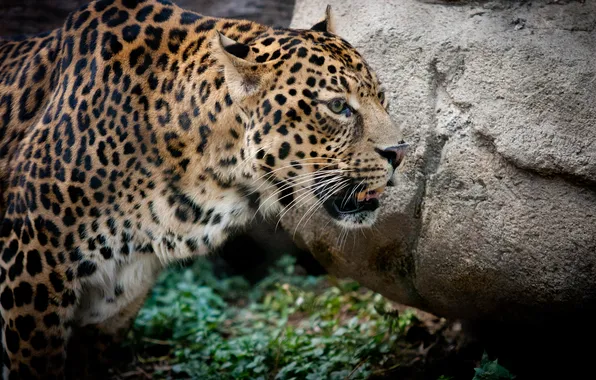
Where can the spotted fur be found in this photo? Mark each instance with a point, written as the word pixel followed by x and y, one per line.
pixel 141 133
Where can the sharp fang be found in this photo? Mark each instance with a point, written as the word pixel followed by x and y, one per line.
pixel 367 195
pixel 361 196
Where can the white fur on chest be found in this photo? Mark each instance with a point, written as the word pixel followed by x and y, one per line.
pixel 227 211
pixel 120 280
pixel 113 286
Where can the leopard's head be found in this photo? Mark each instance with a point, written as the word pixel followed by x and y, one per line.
pixel 317 128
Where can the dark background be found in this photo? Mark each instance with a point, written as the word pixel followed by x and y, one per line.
pixel 35 16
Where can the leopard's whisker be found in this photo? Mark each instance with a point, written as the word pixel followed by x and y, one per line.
pixel 293 167
pixel 312 194
pixel 321 201
pixel 283 188
pixel 282 168
pixel 278 191
pixel 287 183
pixel 291 180
pixel 351 194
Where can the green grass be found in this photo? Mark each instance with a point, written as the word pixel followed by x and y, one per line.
pixel 198 326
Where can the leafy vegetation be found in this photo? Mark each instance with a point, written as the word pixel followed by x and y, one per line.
pixel 196 325
pixel 491 370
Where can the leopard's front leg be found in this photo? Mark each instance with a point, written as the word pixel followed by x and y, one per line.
pixel 45 306
pixel 94 349
pixel 35 328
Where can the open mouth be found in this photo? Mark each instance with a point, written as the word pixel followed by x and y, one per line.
pixel 353 202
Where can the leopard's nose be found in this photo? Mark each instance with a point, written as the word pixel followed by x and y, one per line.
pixel 394 154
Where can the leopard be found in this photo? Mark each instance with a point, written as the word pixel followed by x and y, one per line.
pixel 140 134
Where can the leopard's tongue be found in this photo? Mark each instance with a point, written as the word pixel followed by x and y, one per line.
pixel 368 195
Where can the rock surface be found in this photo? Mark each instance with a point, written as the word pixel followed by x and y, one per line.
pixel 494 214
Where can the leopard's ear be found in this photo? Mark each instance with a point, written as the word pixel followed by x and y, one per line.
pixel 243 78
pixel 327 24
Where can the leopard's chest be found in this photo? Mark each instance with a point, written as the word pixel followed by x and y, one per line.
pixel 113 286
pixel 189 226
pixel 168 232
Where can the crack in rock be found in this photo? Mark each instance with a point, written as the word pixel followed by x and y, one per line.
pixel 575 180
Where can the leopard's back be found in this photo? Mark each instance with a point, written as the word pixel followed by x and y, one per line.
pixel 28 76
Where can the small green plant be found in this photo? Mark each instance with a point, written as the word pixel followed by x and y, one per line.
pixel 198 326
pixel 397 322
pixel 491 370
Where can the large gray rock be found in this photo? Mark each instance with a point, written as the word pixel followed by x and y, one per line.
pixel 494 214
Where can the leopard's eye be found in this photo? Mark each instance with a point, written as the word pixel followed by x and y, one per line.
pixel 382 96
pixel 340 107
